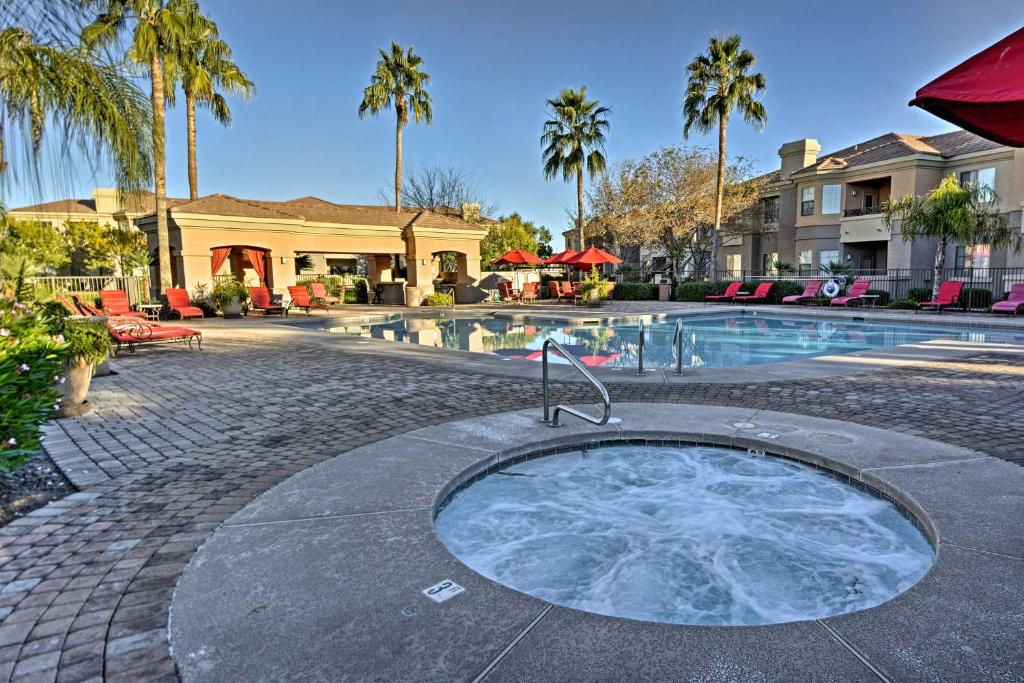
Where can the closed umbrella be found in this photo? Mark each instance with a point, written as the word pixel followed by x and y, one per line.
pixel 984 94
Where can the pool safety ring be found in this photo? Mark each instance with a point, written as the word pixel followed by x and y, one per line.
pixel 831 289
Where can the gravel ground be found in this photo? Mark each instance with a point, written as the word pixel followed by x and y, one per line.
pixel 30 487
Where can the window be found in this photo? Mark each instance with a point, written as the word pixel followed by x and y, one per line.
pixel 771 210
pixel 768 263
pixel 826 257
pixel 734 264
pixel 807 201
pixel 975 259
pixel 982 177
pixel 831 196
pixel 806 257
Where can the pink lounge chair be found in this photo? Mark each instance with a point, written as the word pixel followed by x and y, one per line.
pixel 178 302
pixel 115 303
pixel 949 295
pixel 732 290
pixel 320 292
pixel 810 293
pixel 301 299
pixel 1013 302
pixel 857 290
pixel 760 294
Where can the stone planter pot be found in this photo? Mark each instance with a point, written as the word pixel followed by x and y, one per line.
pixel 592 297
pixel 102 368
pixel 233 309
pixel 77 377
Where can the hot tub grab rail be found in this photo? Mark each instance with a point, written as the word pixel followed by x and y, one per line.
pixel 552 418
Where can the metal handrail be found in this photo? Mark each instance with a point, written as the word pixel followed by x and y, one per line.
pixel 640 350
pixel 677 340
pixel 552 419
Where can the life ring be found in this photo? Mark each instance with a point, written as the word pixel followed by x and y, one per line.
pixel 831 289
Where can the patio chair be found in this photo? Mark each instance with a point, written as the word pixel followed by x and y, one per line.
pixel 132 333
pixel 949 295
pixel 320 292
pixel 261 302
pixel 857 290
pixel 179 302
pixel 554 290
pixel 567 291
pixel 732 290
pixel 1013 302
pixel 577 293
pixel 508 295
pixel 760 295
pixel 531 292
pixel 81 307
pixel 115 303
pixel 810 293
pixel 301 299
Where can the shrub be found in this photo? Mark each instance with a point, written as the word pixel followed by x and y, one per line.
pixel 696 291
pixel 87 340
pixel 226 289
pixel 334 284
pixel 594 282
pixel 30 363
pixel 975 297
pixel 920 294
pixel 883 296
pixel 782 288
pixel 437 299
pixel 635 291
pixel 201 300
pixel 361 294
pixel 903 305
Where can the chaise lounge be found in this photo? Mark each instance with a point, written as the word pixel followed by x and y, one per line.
pixel 949 295
pixel 857 290
pixel 759 296
pixel 301 299
pixel 731 291
pixel 1013 302
pixel 115 303
pixel 810 293
pixel 130 331
pixel 261 302
pixel 179 302
pixel 320 292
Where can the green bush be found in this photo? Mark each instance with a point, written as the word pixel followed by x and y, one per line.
pixel 883 296
pixel 903 305
pixel 437 299
pixel 31 359
pixel 920 294
pixel 635 291
pixel 782 288
pixel 227 289
pixel 696 291
pixel 975 297
pixel 361 294
pixel 334 284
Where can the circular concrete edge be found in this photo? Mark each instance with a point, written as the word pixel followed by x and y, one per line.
pixel 912 471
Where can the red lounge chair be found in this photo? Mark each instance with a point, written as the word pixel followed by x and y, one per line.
pixel 555 290
pixel 320 292
pixel 508 294
pixel 760 294
pixel 1013 302
pixel 115 303
pixel 732 290
pixel 949 295
pixel 857 290
pixel 810 293
pixel 178 302
pixel 132 333
pixel 261 302
pixel 531 291
pixel 83 308
pixel 567 291
pixel 300 298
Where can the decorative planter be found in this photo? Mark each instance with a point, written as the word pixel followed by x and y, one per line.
pixel 592 297
pixel 233 309
pixel 102 368
pixel 77 377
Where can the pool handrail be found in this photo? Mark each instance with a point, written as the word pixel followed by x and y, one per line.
pixel 677 340
pixel 552 418
pixel 640 350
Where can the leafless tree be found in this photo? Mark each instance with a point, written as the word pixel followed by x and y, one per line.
pixel 443 189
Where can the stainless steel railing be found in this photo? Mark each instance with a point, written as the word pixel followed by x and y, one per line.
pixel 640 349
pixel 552 418
pixel 677 341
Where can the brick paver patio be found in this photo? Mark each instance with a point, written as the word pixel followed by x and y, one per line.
pixel 179 441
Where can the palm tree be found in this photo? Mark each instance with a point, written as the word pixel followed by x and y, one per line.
pixel 157 28
pixel 94 107
pixel 202 63
pixel 398 82
pixel 719 83
pixel 952 212
pixel 573 141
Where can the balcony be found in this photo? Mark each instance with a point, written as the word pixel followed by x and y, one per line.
pixel 869 211
pixel 857 226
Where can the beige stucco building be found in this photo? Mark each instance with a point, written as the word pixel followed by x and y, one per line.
pixel 106 207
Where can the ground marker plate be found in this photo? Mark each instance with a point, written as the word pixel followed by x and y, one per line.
pixel 444 590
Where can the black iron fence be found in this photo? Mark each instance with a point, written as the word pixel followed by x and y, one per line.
pixel 982 286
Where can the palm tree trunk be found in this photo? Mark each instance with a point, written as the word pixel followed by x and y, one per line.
pixel 579 206
pixel 193 170
pixel 716 239
pixel 398 163
pixel 940 262
pixel 159 177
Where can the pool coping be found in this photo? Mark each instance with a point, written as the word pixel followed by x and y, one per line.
pixel 337 557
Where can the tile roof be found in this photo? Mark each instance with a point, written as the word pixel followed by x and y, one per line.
pixel 64 206
pixel 897 145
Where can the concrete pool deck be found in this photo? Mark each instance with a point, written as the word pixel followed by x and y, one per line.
pixel 322 576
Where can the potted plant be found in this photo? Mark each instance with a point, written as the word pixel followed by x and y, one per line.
pixel 86 343
pixel 229 294
pixel 594 288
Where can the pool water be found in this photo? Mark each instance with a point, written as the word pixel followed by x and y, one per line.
pixel 724 340
pixel 684 535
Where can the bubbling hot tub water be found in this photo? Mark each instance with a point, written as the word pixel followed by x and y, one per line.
pixel 684 535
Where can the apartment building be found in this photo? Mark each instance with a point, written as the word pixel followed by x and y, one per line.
pixel 818 209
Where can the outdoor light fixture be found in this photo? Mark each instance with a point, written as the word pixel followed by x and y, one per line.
pixel 284 259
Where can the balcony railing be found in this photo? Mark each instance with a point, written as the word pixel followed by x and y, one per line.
pixel 869 211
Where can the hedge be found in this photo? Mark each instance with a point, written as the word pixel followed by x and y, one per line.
pixel 975 297
pixel 635 291
pixel 903 305
pixel 696 291
pixel 883 296
pixel 920 294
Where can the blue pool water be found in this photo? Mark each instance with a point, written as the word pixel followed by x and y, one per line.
pixel 724 340
pixel 684 535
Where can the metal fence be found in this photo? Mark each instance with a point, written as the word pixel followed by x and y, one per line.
pixel 982 286
pixel 132 284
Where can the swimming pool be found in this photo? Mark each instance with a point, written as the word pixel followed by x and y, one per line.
pixel 716 341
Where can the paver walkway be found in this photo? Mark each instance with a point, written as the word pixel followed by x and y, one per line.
pixel 178 441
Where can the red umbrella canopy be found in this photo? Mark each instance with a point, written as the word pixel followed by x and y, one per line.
pixel 592 257
pixel 984 94
pixel 560 257
pixel 517 257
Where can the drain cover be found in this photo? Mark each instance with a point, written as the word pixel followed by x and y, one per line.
pixel 614 420
pixel 743 425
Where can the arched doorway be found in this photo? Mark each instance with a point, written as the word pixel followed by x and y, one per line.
pixel 248 264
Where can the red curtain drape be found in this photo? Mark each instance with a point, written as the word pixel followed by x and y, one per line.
pixel 217 258
pixel 258 259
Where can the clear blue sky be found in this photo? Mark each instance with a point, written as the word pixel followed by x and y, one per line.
pixel 837 72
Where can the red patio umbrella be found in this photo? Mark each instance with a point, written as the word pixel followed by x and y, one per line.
pixel 517 257
pixel 592 257
pixel 560 258
pixel 984 94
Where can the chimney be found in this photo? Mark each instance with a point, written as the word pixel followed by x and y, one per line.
pixel 798 154
pixel 471 213
pixel 106 200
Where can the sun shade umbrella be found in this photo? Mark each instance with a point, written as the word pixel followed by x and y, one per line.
pixel 592 257
pixel 984 94
pixel 560 258
pixel 517 257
